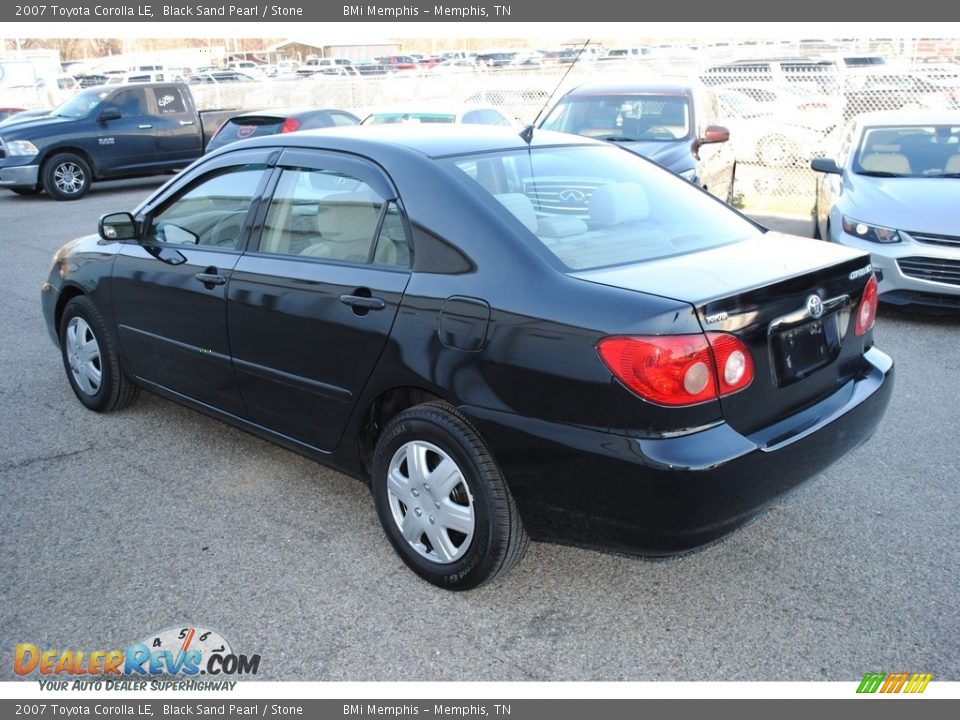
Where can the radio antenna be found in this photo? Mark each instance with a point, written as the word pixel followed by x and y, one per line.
pixel 527 132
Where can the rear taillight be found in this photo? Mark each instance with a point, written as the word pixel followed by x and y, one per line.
pixel 734 364
pixel 867 311
pixel 289 125
pixel 678 369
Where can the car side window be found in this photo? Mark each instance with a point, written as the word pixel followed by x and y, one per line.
pixel 322 214
pixel 169 100
pixel 210 212
pixel 130 103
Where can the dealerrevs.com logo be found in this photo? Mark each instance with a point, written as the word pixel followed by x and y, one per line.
pixel 909 683
pixel 184 652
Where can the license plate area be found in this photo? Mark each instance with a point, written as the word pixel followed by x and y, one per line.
pixel 804 349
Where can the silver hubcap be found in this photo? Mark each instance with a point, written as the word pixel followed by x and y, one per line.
pixel 83 355
pixel 431 502
pixel 68 177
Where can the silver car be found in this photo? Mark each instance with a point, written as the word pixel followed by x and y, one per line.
pixel 894 190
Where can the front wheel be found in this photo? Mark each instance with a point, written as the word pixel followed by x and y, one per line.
pixel 66 177
pixel 442 500
pixel 90 358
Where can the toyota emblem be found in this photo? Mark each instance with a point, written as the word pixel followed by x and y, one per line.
pixel 815 306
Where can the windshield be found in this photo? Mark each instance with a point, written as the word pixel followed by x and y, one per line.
pixel 597 206
pixel 623 118
pixel 909 151
pixel 81 104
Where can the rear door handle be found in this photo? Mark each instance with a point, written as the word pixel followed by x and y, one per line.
pixel 210 278
pixel 186 122
pixel 144 127
pixel 366 303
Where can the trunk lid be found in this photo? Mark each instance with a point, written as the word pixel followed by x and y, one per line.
pixel 791 301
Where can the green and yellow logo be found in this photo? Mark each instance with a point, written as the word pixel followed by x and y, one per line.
pixel 894 682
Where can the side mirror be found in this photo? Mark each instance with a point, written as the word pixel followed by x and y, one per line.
pixel 110 113
pixel 117 226
pixel 715 134
pixel 825 165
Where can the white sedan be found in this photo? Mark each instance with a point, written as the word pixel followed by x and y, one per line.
pixel 893 189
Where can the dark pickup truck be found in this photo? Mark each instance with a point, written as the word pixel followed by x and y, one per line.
pixel 104 133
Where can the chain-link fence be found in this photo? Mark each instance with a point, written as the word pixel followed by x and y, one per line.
pixel 781 112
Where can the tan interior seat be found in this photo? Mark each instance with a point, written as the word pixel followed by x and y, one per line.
pixel 886 162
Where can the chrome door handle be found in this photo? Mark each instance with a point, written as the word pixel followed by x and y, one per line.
pixel 210 278
pixel 366 303
pixel 186 122
pixel 144 127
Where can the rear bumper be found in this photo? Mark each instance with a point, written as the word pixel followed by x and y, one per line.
pixel 664 496
pixel 19 176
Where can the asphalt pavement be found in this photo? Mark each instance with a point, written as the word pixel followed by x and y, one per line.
pixel 117 526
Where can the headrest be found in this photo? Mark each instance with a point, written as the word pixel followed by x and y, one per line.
pixel 619 203
pixel 520 207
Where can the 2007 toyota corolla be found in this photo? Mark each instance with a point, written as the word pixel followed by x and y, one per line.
pixel 558 340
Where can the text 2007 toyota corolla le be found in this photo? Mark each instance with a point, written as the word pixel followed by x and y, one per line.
pixel 558 340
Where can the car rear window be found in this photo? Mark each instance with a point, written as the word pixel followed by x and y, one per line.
pixel 598 206
pixel 248 127
pixel 412 117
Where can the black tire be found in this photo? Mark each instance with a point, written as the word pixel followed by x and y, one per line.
pixel 80 325
pixel 66 177
pixel 26 190
pixel 816 221
pixel 476 489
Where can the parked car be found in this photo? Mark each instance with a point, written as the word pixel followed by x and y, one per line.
pixel 430 113
pixel 394 63
pixel 792 103
pixel 823 76
pixel 873 92
pixel 893 190
pixel 106 132
pixel 771 139
pixel 410 306
pixel 274 121
pixel 218 77
pixel 674 125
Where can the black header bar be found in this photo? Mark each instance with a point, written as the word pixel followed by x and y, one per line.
pixel 502 11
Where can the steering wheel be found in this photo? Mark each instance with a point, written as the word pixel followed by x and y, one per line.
pixel 659 131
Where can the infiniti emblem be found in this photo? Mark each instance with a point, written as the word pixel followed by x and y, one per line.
pixel 815 306
pixel 572 196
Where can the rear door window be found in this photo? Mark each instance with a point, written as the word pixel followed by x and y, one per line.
pixel 169 100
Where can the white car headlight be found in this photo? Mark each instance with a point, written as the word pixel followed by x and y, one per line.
pixel 21 148
pixel 873 233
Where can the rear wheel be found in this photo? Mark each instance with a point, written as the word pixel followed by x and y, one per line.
pixel 442 500
pixel 90 358
pixel 66 177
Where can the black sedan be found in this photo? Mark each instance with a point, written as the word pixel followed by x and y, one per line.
pixel 558 340
pixel 278 121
